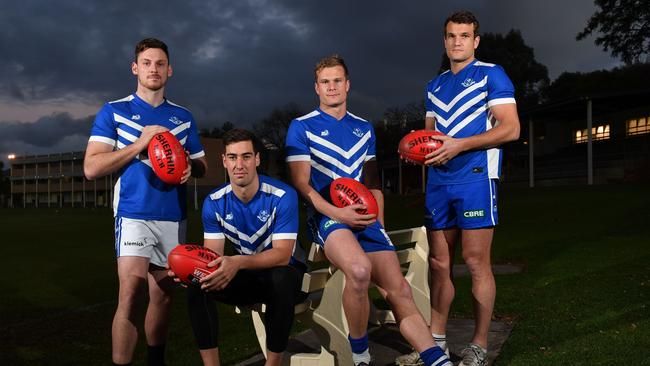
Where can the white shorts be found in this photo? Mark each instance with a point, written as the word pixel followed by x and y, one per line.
pixel 148 238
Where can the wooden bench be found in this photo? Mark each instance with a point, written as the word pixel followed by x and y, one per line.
pixel 322 311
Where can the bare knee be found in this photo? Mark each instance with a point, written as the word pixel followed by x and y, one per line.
pixel 358 276
pixel 131 296
pixel 440 266
pixel 478 264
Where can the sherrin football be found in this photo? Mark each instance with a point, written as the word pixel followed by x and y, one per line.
pixel 190 262
pixel 416 145
pixel 167 157
pixel 347 191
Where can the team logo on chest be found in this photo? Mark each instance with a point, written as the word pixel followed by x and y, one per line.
pixel 175 120
pixel 135 117
pixel 324 133
pixel 229 216
pixel 357 132
pixel 263 215
pixel 468 82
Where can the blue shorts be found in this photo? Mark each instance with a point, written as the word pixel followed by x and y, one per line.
pixel 466 206
pixel 372 239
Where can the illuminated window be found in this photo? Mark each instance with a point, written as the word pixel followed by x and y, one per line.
pixel 638 126
pixel 597 133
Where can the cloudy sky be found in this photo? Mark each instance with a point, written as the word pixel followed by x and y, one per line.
pixel 237 60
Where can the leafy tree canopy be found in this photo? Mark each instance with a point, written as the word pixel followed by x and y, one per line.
pixel 623 27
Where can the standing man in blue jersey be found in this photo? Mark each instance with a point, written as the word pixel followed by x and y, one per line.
pixel 258 216
pixel 329 143
pixel 473 104
pixel 149 214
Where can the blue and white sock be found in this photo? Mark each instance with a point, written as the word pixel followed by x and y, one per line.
pixel 435 356
pixel 360 351
pixel 441 340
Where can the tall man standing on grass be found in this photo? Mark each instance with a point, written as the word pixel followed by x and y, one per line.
pixel 149 214
pixel 473 104
pixel 329 143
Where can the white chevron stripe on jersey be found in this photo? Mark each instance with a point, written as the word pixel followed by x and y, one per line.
pixel 333 161
pixel 251 239
pixel 470 103
pixel 466 121
pixel 182 127
pixel 265 187
pixel 127 122
pixel 447 107
pixel 232 239
pixel 182 141
pixel 346 154
pixel 330 173
pixel 324 170
pixel 126 135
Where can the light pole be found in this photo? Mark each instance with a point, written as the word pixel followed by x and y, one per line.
pixel 11 184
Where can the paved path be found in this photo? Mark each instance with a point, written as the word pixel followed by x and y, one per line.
pixel 386 343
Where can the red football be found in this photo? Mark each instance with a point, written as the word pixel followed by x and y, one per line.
pixel 347 191
pixel 417 144
pixel 190 262
pixel 167 157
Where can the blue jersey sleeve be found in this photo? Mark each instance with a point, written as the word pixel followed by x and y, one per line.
pixel 104 128
pixel 212 228
pixel 286 220
pixel 193 144
pixel 500 88
pixel 296 144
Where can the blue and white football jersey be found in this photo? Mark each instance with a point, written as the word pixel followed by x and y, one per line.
pixel 251 227
pixel 334 148
pixel 138 192
pixel 461 105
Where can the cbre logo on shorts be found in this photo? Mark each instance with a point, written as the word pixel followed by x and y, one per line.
pixel 474 213
pixel 329 223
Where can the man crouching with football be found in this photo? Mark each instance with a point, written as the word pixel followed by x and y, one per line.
pixel 258 216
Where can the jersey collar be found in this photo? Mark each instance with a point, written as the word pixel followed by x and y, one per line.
pixel 141 103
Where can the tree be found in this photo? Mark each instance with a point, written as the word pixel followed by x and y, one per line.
pixel 272 130
pixel 217 132
pixel 620 79
pixel 624 27
pixel 529 77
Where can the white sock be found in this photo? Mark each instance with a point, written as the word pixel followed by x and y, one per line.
pixel 361 357
pixel 441 340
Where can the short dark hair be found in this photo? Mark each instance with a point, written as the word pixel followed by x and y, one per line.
pixel 462 17
pixel 331 61
pixel 238 135
pixel 148 43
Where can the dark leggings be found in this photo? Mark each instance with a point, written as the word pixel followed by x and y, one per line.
pixel 277 287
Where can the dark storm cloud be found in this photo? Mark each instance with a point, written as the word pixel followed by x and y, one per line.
pixel 54 131
pixel 236 60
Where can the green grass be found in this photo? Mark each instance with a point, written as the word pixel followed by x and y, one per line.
pixel 582 299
